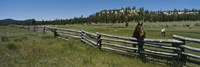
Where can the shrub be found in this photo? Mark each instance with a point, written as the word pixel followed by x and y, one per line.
pixel 24 38
pixel 4 39
pixel 20 39
pixel 126 24
pixel 11 46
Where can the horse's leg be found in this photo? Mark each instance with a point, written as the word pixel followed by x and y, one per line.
pixel 164 34
pixel 134 47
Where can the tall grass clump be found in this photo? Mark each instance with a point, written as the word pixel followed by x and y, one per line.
pixel 11 46
pixel 4 39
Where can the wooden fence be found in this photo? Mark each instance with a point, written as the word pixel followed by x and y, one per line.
pixel 172 50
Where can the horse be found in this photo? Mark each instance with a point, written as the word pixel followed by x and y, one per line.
pixel 139 34
pixel 163 32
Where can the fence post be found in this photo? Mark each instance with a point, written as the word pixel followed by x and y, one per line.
pixel 140 48
pixel 176 59
pixel 99 41
pixel 28 27
pixel 82 34
pixel 55 32
pixel 34 28
pixel 181 57
pixel 20 27
pixel 44 29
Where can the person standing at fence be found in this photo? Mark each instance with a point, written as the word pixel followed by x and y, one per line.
pixel 139 34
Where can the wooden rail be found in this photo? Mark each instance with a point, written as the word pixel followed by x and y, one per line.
pixel 184 47
pixel 123 45
pixel 186 38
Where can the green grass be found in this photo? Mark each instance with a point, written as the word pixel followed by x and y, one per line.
pixel 152 31
pixel 23 48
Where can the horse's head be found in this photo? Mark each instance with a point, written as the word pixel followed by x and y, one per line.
pixel 139 31
pixel 139 27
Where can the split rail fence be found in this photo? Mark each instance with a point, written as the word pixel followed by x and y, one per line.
pixel 173 50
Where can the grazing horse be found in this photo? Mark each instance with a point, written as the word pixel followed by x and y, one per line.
pixel 139 34
pixel 163 32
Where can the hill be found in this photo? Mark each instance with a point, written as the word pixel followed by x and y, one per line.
pixel 7 21
pixel 12 21
pixel 128 14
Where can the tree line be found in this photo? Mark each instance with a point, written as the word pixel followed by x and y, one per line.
pixel 125 15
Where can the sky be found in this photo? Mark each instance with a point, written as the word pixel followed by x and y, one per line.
pixel 65 9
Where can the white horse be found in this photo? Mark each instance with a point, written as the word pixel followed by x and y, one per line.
pixel 163 32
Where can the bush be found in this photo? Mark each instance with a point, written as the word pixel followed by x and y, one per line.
pixel 126 24
pixel 24 38
pixel 4 39
pixel 11 46
pixel 20 39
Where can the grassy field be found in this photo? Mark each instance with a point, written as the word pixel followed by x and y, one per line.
pixel 23 48
pixel 152 31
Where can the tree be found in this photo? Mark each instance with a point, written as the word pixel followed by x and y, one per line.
pixel 126 24
pixel 33 22
pixel 125 15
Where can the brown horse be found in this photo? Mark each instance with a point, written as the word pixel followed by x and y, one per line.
pixel 139 34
